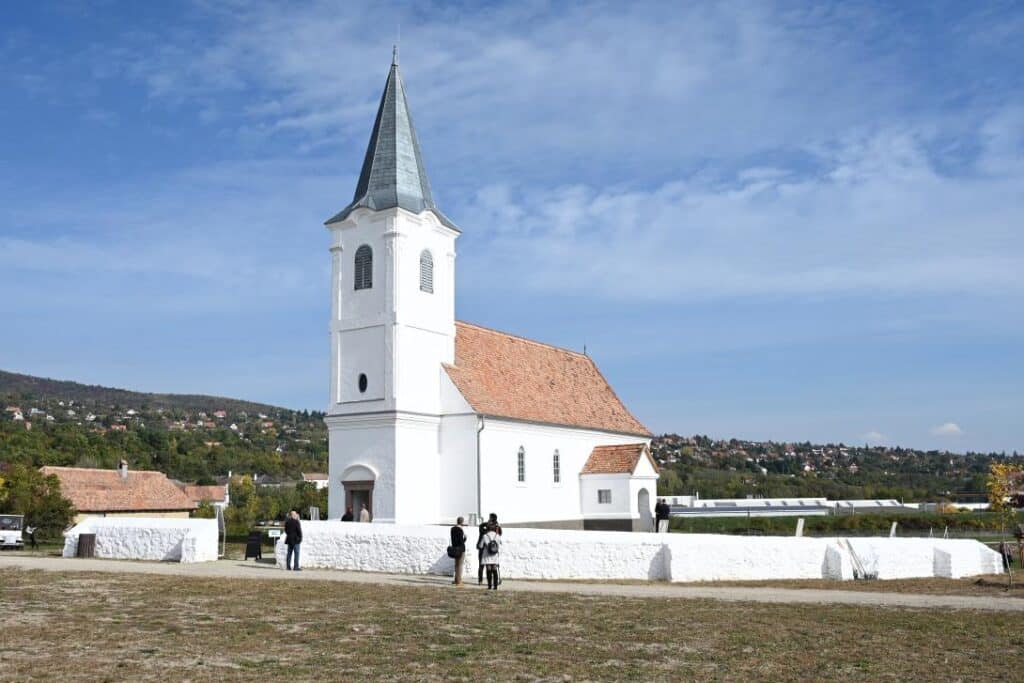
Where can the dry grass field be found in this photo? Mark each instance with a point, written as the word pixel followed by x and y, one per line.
pixel 114 627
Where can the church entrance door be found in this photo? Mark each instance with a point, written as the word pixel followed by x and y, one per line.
pixel 643 504
pixel 357 494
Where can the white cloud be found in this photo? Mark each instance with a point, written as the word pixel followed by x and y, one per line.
pixel 948 429
pixel 879 219
pixel 874 437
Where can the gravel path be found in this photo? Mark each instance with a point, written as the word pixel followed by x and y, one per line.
pixel 238 569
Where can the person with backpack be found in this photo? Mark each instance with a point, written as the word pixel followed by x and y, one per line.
pixel 481 532
pixel 491 554
pixel 457 550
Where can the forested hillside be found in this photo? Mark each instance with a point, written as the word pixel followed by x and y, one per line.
pixel 198 438
pixel 191 438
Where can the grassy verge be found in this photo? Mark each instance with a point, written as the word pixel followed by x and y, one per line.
pixel 960 524
pixel 141 627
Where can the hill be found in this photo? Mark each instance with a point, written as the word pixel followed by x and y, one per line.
pixel 14 386
pixel 188 437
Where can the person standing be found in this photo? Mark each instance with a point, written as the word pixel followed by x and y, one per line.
pixel 348 516
pixel 293 539
pixel 459 548
pixel 364 514
pixel 482 531
pixel 492 554
pixel 661 514
pixel 30 531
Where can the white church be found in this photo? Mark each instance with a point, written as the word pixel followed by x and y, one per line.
pixel 432 418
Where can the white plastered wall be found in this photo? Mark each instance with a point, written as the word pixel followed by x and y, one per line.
pixel 538 499
pixel 152 538
pixel 366 441
pixel 557 554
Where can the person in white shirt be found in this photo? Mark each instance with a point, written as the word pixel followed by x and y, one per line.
pixel 364 514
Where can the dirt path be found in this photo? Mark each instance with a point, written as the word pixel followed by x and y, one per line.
pixel 238 569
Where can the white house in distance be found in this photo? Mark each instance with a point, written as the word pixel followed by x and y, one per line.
pixel 431 418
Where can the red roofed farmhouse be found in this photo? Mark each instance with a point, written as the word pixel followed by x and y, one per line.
pixel 121 493
pixel 431 419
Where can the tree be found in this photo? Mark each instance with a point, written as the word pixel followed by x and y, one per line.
pixel 1000 485
pixel 26 491
pixel 204 510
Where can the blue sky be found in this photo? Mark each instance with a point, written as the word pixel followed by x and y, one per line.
pixel 789 221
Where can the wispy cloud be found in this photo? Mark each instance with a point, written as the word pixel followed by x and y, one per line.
pixel 874 437
pixel 879 218
pixel 948 429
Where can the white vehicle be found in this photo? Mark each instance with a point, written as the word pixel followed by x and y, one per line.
pixel 10 531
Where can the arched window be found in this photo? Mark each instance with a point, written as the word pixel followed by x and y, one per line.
pixel 364 267
pixel 426 272
pixel 521 466
pixel 556 468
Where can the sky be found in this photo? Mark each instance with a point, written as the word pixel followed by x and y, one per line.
pixel 790 221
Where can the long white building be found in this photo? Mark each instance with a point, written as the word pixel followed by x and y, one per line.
pixel 431 418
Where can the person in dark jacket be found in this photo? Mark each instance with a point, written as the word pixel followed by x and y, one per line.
pixel 293 539
pixel 348 516
pixel 481 532
pixel 459 545
pixel 661 514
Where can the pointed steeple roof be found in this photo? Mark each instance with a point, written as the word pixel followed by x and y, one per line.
pixel 393 173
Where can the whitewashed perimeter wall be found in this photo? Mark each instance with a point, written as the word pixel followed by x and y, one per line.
pixel 557 554
pixel 147 538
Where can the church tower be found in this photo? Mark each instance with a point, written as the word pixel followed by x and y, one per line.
pixel 392 326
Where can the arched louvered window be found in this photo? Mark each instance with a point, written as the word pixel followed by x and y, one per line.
pixel 364 267
pixel 556 468
pixel 426 272
pixel 521 465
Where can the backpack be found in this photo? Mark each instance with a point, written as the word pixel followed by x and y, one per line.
pixel 492 547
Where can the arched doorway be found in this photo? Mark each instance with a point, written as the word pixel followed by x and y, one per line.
pixel 358 481
pixel 643 504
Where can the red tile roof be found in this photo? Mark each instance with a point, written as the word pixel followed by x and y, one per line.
pixel 216 493
pixel 92 490
pixel 617 459
pixel 502 375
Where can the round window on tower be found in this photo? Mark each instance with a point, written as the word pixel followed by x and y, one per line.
pixel 362 384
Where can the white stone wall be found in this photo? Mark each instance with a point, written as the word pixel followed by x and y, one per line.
pixel 556 554
pixel 711 557
pixel 147 538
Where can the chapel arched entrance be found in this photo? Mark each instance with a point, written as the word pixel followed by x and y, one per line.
pixel 358 481
pixel 643 504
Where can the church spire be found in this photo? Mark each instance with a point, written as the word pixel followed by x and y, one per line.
pixel 393 173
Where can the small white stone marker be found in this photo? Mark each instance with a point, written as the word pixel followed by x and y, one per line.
pixel 892 530
pixel 800 526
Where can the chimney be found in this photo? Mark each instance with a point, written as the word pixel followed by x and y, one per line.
pixel 122 469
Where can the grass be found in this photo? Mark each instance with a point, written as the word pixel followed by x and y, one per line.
pixel 960 524
pixel 114 627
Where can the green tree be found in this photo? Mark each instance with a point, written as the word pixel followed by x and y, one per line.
pixel 26 491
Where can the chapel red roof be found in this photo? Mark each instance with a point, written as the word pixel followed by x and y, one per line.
pixel 502 375
pixel 621 459
pixel 215 493
pixel 94 490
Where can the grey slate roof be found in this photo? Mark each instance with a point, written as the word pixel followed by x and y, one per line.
pixel 393 173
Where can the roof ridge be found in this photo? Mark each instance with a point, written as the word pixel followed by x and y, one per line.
pixel 525 339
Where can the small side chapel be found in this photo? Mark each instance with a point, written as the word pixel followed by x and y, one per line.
pixel 432 418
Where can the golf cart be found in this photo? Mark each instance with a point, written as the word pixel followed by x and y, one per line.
pixel 10 531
